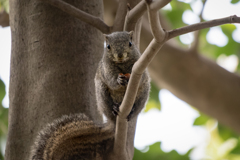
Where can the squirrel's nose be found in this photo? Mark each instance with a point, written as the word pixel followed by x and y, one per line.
pixel 120 55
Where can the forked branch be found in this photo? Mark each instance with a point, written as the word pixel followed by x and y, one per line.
pixel 142 63
pixel 137 12
pixel 133 84
pixel 134 15
pixel 160 37
pixel 202 25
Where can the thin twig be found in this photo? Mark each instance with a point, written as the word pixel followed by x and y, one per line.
pixel 120 16
pixel 134 15
pixel 85 17
pixel 194 46
pixel 201 13
pixel 195 43
pixel 202 25
pixel 154 21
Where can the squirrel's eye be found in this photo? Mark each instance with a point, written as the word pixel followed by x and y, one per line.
pixel 108 46
pixel 130 44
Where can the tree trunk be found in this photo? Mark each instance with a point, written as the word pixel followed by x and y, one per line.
pixel 53 64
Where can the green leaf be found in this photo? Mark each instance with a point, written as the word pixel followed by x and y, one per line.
pixel 213 51
pixel 234 1
pixel 155 153
pixel 3 118
pixel 153 101
pixel 2 90
pixel 236 150
pixel 1 156
pixel 226 132
pixel 201 120
pixel 175 15
pixel 232 46
pixel 3 111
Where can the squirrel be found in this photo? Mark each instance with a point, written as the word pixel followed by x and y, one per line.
pixel 75 136
pixel 113 73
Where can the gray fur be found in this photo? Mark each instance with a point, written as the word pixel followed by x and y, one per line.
pixel 72 137
pixel 109 91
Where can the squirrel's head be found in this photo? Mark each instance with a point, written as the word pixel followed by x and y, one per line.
pixel 119 46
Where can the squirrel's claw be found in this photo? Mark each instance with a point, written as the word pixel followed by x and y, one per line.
pixel 122 80
pixel 115 109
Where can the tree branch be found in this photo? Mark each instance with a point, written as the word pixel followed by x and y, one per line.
pixel 83 16
pixel 160 37
pixel 194 46
pixel 120 16
pixel 153 16
pixel 134 15
pixel 202 25
pixel 187 73
pixel 130 94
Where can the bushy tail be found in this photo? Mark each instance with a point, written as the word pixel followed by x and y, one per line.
pixel 73 137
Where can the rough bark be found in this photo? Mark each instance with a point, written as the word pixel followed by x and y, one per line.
pixel 53 63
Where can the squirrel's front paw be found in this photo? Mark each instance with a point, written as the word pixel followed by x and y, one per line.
pixel 123 79
pixel 115 109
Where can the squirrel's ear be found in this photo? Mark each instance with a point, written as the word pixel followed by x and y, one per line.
pixel 105 37
pixel 131 35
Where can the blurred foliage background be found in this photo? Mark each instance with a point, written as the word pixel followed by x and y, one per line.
pixel 3 120
pixel 224 143
pixel 4 4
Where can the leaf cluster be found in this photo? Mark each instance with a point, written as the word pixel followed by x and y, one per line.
pixel 155 153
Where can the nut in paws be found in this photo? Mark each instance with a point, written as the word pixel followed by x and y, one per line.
pixel 123 79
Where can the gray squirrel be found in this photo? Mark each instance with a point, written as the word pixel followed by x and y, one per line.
pixel 113 74
pixel 75 136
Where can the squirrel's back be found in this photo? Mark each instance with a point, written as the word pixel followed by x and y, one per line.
pixel 72 137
